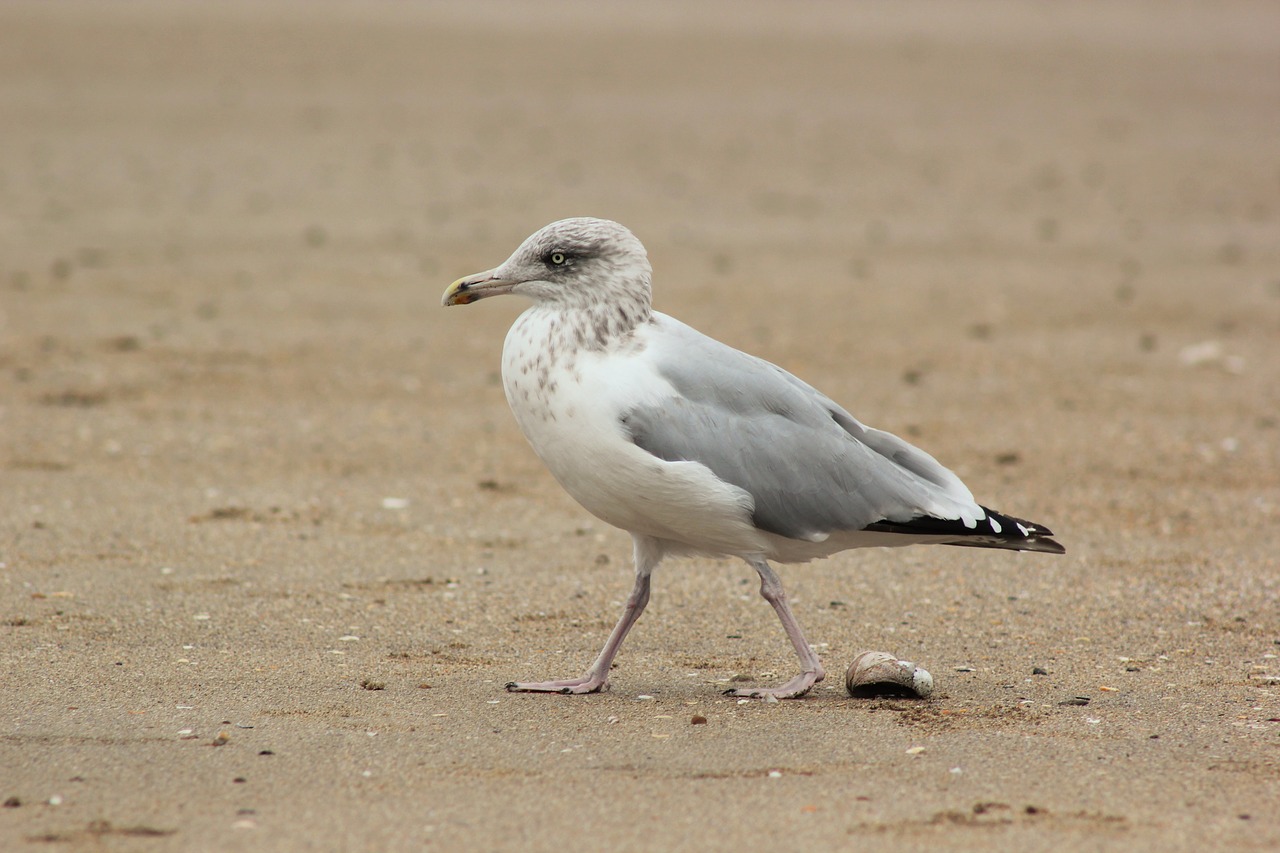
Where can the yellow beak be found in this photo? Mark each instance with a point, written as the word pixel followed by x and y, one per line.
pixel 479 286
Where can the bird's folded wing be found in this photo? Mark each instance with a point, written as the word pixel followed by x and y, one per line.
pixel 811 468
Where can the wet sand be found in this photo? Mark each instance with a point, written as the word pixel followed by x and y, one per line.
pixel 272 543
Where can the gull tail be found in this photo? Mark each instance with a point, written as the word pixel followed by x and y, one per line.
pixel 995 531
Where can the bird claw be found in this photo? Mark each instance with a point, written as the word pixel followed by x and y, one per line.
pixel 772 694
pixel 566 687
pixel 793 689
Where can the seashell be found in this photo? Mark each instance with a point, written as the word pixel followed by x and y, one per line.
pixel 881 674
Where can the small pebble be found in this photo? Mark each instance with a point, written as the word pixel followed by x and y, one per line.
pixel 222 739
pixel 915 750
pixel 1076 700
pixel 1039 670
pixel 698 720
pixel 1205 352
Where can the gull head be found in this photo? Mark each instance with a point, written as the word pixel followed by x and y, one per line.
pixel 573 263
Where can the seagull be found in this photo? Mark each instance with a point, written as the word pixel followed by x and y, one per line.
pixel 696 448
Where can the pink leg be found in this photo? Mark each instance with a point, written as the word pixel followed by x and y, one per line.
pixel 647 555
pixel 771 589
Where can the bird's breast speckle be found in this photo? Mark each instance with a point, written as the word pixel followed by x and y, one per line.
pixel 545 358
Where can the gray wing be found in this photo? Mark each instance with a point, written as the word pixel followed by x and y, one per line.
pixel 811 467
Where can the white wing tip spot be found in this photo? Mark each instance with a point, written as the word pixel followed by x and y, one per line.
pixel 995 525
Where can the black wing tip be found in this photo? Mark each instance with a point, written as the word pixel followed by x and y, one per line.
pixel 997 530
pixel 1042 544
pixel 1038 544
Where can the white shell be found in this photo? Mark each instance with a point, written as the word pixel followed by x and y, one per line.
pixel 882 674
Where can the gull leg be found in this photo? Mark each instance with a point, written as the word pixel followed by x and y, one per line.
pixel 771 589
pixel 647 555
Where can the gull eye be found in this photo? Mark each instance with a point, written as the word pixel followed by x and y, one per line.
pixel 558 258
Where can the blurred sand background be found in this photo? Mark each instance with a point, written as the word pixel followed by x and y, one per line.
pixel 255 482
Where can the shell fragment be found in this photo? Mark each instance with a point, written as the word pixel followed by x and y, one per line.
pixel 881 674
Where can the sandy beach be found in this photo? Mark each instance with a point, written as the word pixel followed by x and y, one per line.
pixel 271 542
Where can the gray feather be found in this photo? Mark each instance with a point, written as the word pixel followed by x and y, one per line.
pixel 811 468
